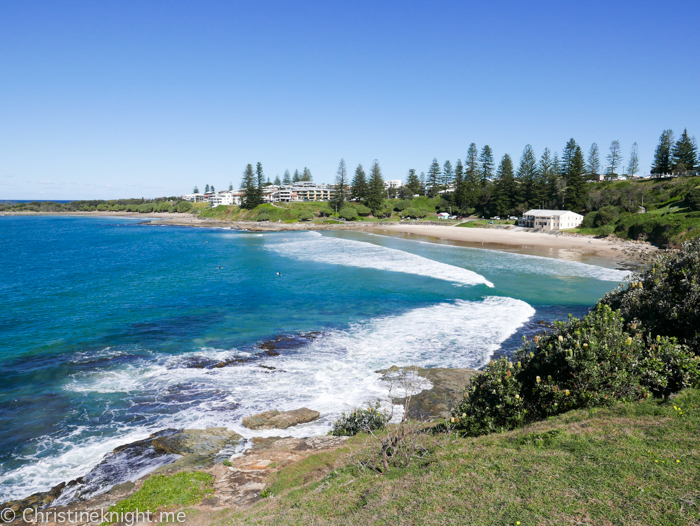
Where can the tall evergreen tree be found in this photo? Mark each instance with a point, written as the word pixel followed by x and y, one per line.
pixel 662 155
pixel 486 162
pixel 557 185
pixel 447 175
pixel 260 182
pixel 212 189
pixel 341 186
pixel 306 176
pixel 277 181
pixel 472 177
pixel 573 170
pixel 458 184
pixel 684 155
pixel 413 183
pixel 504 187
pixel 287 179
pixel 359 184
pixel 527 175
pixel 375 188
pixel 196 190
pixel 230 186
pixel 206 189
pixel 250 188
pixel 433 182
pixel 614 158
pixel 546 180
pixel 593 164
pixel 633 166
pixel 422 183
pixel 296 177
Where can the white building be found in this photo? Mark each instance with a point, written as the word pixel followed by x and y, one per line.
pixel 195 198
pixel 302 191
pixel 226 198
pixel 551 219
pixel 394 183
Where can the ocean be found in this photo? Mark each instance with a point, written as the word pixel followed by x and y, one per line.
pixel 112 328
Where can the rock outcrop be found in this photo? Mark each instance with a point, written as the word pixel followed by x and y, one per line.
pixel 280 419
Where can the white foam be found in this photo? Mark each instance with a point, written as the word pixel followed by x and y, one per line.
pixel 312 246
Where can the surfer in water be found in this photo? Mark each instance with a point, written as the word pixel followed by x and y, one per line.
pixel 279 273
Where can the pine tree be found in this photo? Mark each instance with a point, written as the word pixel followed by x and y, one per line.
pixel 413 183
pixel 296 177
pixel 287 178
pixel 422 183
pixel 662 155
pixel 527 174
pixel 557 185
pixel 341 186
pixel 447 175
pixel 212 189
pixel 433 183
pixel 546 179
pixel 260 182
pixel 472 177
pixel 459 197
pixel 375 189
pixel 306 176
pixel 633 166
pixel 614 158
pixel 504 187
pixel 277 181
pixel 486 161
pixel 359 184
pixel 593 164
pixel 206 189
pixel 250 190
pixel 196 190
pixel 684 156
pixel 573 170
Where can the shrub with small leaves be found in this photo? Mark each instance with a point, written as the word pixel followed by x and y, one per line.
pixel 360 421
pixel 263 216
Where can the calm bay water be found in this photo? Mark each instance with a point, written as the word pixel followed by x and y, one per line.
pixel 108 327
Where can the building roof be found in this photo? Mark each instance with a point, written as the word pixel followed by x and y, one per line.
pixel 548 212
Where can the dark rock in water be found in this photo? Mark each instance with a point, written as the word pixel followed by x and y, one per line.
pixel 280 420
pixel 169 449
pixel 202 362
pixel 447 390
pixel 283 343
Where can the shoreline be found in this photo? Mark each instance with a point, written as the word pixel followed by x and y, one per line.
pixel 607 252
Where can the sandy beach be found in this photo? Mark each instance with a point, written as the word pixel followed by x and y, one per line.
pixel 605 252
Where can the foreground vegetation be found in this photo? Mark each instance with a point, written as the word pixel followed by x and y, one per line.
pixel 633 463
pixel 163 204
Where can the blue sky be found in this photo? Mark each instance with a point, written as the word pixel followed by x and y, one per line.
pixel 131 99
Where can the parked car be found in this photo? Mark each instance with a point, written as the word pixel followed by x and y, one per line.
pixel 496 218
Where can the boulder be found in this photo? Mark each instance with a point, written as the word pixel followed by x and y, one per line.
pixel 280 419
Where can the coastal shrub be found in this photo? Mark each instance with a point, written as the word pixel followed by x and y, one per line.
pixel 325 211
pixel 596 361
pixel 383 211
pixel 693 198
pixel 164 207
pixel 348 213
pixel 360 421
pixel 589 220
pixel 264 216
pixel 146 208
pixel 606 215
pixel 362 210
pixel 184 207
pixel 402 205
pixel 305 216
pixel 102 208
pixel 443 205
pixel 413 213
pixel 666 296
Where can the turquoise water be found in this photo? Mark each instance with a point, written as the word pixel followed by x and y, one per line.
pixel 110 329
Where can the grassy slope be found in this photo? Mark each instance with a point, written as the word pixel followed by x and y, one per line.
pixel 631 464
pixel 289 212
pixel 666 218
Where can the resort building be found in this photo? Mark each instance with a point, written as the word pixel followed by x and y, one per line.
pixel 226 198
pixel 394 183
pixel 550 219
pixel 195 198
pixel 302 191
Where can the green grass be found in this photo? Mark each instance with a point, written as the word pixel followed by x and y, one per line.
pixel 484 223
pixel 162 492
pixel 632 464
